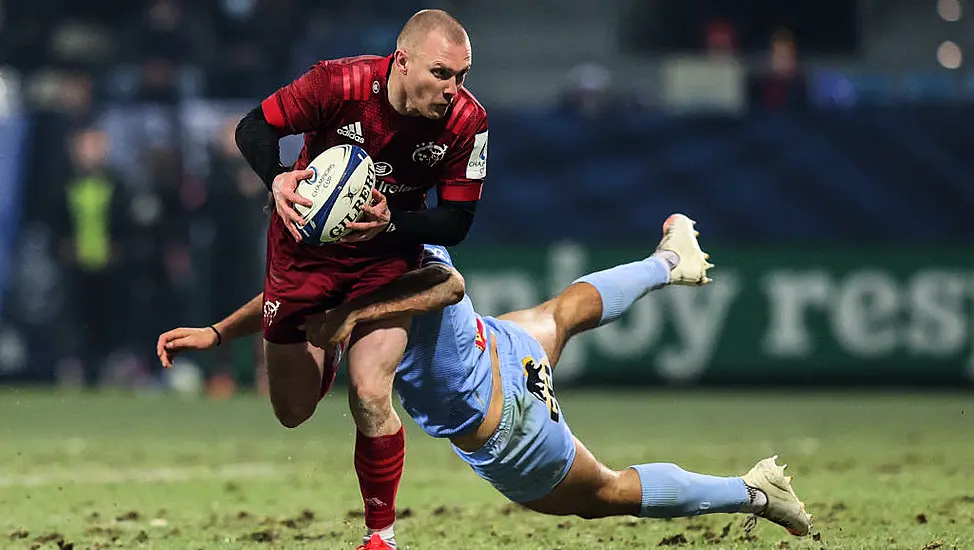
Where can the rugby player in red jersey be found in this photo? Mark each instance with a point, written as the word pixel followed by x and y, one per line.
pixel 424 131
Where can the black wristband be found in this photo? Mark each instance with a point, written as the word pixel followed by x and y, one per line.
pixel 219 337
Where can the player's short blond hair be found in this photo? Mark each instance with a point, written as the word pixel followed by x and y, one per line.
pixel 426 21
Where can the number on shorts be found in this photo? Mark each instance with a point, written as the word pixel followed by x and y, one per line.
pixel 540 384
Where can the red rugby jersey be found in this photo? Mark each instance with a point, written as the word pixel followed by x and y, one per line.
pixel 344 101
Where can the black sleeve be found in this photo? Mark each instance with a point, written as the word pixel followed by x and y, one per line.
pixel 258 142
pixel 445 225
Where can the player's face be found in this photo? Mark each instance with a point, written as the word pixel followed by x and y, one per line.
pixel 434 75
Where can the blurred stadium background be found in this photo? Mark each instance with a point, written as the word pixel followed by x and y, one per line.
pixel 824 147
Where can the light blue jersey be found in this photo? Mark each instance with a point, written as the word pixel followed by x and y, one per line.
pixel 444 380
pixel 445 383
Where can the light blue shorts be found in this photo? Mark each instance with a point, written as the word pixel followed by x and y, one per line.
pixel 533 448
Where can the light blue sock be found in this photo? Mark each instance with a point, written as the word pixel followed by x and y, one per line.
pixel 671 492
pixel 622 285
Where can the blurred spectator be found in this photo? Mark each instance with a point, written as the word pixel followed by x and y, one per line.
pixel 720 39
pixel 235 205
pixel 93 225
pixel 329 35
pixel 69 93
pixel 253 59
pixel 159 258
pixel 22 30
pixel 589 92
pixel 36 297
pixel 84 44
pixel 168 37
pixel 783 86
pixel 240 74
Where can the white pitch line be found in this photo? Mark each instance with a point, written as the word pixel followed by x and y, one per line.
pixel 140 475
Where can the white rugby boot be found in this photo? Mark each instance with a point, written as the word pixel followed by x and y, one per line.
pixel 680 237
pixel 783 506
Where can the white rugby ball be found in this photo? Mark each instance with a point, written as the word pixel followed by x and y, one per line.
pixel 341 185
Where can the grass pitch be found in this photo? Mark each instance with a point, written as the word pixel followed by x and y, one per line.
pixel 108 471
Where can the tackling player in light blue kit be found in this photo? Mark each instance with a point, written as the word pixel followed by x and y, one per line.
pixel 485 383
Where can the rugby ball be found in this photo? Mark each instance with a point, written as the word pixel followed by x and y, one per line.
pixel 340 186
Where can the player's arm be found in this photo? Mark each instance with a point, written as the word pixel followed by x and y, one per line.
pixel 427 289
pixel 458 192
pixel 258 142
pixel 302 106
pixel 243 322
pixel 424 290
pixel 447 224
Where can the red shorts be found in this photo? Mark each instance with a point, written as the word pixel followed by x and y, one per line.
pixel 302 280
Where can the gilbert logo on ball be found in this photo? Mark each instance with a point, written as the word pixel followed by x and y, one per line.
pixel 343 171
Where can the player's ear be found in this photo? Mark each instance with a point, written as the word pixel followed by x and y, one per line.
pixel 400 60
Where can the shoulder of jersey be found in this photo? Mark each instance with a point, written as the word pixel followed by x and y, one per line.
pixel 354 76
pixel 467 115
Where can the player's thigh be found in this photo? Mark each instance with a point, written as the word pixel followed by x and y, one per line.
pixel 294 377
pixel 376 348
pixel 374 354
pixel 539 322
pixel 293 363
pixel 592 490
pixel 297 285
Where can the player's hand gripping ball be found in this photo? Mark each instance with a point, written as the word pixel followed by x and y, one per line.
pixel 340 187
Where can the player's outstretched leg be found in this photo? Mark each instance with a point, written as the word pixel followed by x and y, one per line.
pixel 380 444
pixel 602 297
pixel 663 490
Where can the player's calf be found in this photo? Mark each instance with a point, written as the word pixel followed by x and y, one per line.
pixel 593 300
pixel 590 490
pixel 668 491
pixel 659 490
pixel 602 297
pixel 677 260
pixel 664 490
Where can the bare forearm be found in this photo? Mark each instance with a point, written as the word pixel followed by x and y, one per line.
pixel 421 291
pixel 243 322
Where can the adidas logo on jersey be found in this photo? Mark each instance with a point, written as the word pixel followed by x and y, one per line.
pixel 353 132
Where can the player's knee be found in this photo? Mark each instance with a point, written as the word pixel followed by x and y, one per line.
pixel 292 419
pixel 292 415
pixel 373 400
pixel 577 309
pixel 373 421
